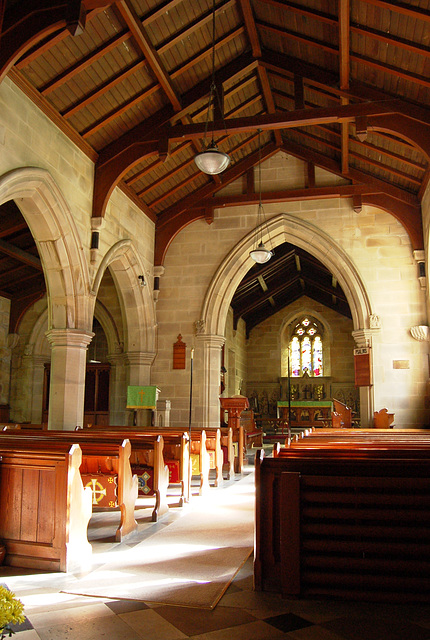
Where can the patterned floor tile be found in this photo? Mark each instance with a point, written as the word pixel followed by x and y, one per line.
pixel 288 622
pixel 197 621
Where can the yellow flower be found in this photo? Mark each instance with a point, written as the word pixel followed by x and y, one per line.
pixel 11 609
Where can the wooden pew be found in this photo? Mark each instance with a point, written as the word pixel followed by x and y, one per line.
pixel 202 441
pixel 45 508
pixel 333 509
pixel 253 435
pixel 176 448
pixel 343 416
pixel 228 447
pixel 347 521
pixel 116 450
pixel 382 419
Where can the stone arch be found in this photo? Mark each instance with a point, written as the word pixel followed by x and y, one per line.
pixel 280 229
pixel 50 221
pixel 137 304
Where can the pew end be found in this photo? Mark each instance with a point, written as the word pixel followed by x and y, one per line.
pixel 382 419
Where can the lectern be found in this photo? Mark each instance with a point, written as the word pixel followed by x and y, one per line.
pixel 234 406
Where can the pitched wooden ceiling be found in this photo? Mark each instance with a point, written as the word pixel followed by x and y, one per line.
pixel 340 84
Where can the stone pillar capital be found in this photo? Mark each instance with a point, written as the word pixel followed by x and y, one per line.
pixel 363 337
pixel 211 340
pixel 69 338
pixel 139 358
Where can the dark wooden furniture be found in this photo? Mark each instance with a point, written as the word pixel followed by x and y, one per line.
pixel 345 519
pixel 234 407
pixel 306 413
pixel 45 508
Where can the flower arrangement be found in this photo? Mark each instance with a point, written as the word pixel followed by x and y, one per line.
pixel 11 612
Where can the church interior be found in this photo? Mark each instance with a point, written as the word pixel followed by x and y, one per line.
pixel 226 205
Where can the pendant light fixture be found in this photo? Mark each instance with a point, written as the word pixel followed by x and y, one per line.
pixel 260 253
pixel 211 160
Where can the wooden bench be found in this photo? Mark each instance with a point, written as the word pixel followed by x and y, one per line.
pixel 202 443
pixel 382 419
pixel 150 444
pixel 175 450
pixel 109 458
pixel 347 521
pixel 45 508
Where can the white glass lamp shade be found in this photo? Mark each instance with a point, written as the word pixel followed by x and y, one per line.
pixel 212 161
pixel 261 254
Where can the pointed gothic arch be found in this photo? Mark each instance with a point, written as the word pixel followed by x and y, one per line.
pixel 137 304
pixel 285 228
pixel 51 223
pixel 279 229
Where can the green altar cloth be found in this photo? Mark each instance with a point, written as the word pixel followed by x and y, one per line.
pixel 306 403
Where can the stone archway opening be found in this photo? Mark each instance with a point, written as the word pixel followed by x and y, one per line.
pixel 281 229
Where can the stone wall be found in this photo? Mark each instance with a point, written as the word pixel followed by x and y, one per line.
pixel 380 254
pixel 269 340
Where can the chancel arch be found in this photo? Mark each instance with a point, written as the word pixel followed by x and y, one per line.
pixel 279 229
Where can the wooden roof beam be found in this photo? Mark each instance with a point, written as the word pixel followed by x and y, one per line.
pixel 307 117
pixel 402 8
pixel 326 18
pixel 403 206
pixel 175 218
pixel 322 45
pixel 353 154
pixel 290 195
pixel 251 28
pixel 344 73
pixel 21 255
pixel 143 42
pixel 117 159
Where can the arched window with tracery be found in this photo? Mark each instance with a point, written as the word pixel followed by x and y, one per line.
pixel 306 349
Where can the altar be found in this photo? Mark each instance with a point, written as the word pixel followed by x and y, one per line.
pixel 306 413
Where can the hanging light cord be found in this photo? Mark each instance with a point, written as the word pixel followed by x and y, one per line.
pixel 213 92
pixel 261 218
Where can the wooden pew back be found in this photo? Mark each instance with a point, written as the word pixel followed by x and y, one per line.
pixel 349 521
pixel 45 508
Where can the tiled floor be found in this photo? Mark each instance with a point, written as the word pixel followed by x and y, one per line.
pixel 241 614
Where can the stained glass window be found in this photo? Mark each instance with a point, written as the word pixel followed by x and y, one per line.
pixel 306 349
pixel 295 357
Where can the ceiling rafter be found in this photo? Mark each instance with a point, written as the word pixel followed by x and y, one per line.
pixel 368 159
pixel 344 74
pixel 402 8
pixel 142 40
pixel 251 28
pixel 354 26
pixel 84 63
pixel 362 143
pixel 329 48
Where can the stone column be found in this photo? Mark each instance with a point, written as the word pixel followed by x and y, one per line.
pixel 207 371
pixel 139 373
pixel 68 369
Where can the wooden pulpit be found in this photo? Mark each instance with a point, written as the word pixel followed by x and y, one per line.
pixel 234 407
